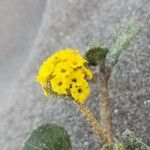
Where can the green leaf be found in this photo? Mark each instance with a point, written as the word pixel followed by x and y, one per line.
pixel 48 137
pixel 131 141
pixel 114 146
pixel 124 36
pixel 109 146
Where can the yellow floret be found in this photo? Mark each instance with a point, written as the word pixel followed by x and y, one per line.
pixel 64 54
pixel 76 76
pixel 88 72
pixel 62 69
pixel 80 92
pixel 41 79
pixel 60 85
pixel 71 56
pixel 76 61
pixel 45 71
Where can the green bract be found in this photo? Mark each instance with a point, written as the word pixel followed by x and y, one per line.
pixel 96 54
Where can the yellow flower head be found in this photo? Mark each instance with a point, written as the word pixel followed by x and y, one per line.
pixel 65 73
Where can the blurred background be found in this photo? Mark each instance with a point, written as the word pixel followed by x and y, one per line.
pixel 19 24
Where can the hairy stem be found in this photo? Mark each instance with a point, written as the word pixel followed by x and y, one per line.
pixel 105 108
pixel 93 122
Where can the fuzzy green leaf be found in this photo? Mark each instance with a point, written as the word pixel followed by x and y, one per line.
pixel 124 36
pixel 48 137
pixel 131 141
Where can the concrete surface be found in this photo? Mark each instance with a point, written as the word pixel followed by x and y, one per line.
pixel 19 23
pixel 76 24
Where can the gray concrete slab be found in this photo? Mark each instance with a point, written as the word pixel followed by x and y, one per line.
pixel 75 24
pixel 19 23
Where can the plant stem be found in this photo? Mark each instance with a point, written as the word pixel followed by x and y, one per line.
pixel 93 122
pixel 105 108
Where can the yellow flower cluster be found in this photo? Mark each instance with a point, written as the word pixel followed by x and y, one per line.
pixel 65 73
